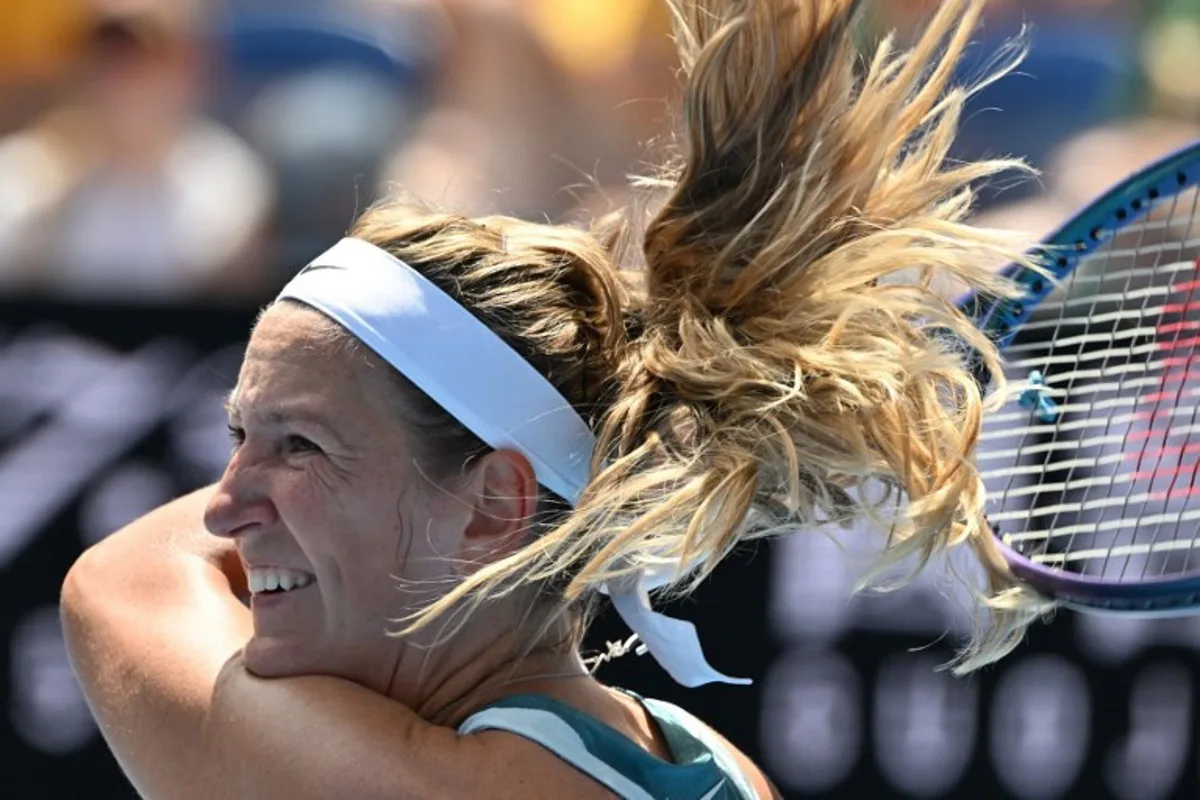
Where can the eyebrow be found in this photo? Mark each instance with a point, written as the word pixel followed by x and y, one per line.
pixel 281 415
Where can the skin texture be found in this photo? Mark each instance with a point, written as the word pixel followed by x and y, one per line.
pixel 318 449
pixel 304 696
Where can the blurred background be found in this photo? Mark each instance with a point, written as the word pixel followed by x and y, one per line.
pixel 166 164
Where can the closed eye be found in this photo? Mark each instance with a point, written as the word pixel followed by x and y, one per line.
pixel 299 445
pixel 294 444
pixel 237 435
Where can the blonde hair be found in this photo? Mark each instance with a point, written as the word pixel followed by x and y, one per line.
pixel 770 339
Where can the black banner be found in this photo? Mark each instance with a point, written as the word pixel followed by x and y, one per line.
pixel 107 412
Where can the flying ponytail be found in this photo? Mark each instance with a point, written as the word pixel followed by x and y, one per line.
pixel 787 353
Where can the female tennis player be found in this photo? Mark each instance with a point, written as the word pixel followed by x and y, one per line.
pixel 453 437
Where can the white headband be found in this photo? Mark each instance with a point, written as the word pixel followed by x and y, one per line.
pixel 488 387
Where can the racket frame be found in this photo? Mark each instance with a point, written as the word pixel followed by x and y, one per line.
pixel 1001 319
pixel 1064 249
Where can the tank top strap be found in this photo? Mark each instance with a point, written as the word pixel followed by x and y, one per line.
pixel 670 716
pixel 550 730
pixel 608 756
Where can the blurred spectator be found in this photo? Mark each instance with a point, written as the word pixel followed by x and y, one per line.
pixel 1080 59
pixel 325 92
pixel 542 106
pixel 125 190
pixel 1163 116
pixel 501 115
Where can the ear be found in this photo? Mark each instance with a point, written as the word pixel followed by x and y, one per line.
pixel 504 497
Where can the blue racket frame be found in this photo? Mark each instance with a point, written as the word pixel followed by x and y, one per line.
pixel 1081 236
pixel 1059 255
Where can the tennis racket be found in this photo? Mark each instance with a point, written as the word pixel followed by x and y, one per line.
pixel 1092 466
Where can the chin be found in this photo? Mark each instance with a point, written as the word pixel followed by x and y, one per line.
pixel 276 657
pixel 268 657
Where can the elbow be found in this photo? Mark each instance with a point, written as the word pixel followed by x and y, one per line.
pixel 92 593
pixel 96 612
pixel 86 578
pixel 110 572
pixel 74 588
pixel 84 582
pixel 78 617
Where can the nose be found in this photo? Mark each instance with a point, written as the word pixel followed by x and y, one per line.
pixel 241 502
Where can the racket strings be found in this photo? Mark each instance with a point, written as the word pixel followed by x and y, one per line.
pixel 1113 258
pixel 1178 341
pixel 1101 485
pixel 1056 315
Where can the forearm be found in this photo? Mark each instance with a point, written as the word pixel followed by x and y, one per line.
pixel 164 570
pixel 151 600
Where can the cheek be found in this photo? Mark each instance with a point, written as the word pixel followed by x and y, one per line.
pixel 372 546
pixel 425 562
pixel 376 548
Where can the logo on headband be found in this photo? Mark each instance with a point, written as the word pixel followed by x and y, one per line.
pixel 312 266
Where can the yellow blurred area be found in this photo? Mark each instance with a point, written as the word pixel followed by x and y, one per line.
pixel 38 38
pixel 1171 59
pixel 591 37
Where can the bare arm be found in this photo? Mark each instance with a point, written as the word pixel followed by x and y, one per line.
pixel 154 630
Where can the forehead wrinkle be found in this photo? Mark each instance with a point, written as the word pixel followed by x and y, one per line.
pixel 287 371
pixel 278 414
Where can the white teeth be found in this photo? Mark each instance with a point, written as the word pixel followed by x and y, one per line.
pixel 269 579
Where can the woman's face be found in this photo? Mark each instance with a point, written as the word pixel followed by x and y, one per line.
pixel 338 531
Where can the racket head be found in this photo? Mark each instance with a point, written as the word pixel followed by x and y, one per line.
pixel 1092 466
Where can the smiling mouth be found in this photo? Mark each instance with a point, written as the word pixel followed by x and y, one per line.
pixel 277 580
pixel 277 592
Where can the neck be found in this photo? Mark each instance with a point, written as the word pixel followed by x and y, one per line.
pixel 506 665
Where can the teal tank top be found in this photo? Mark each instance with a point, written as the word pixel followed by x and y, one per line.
pixel 701 768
